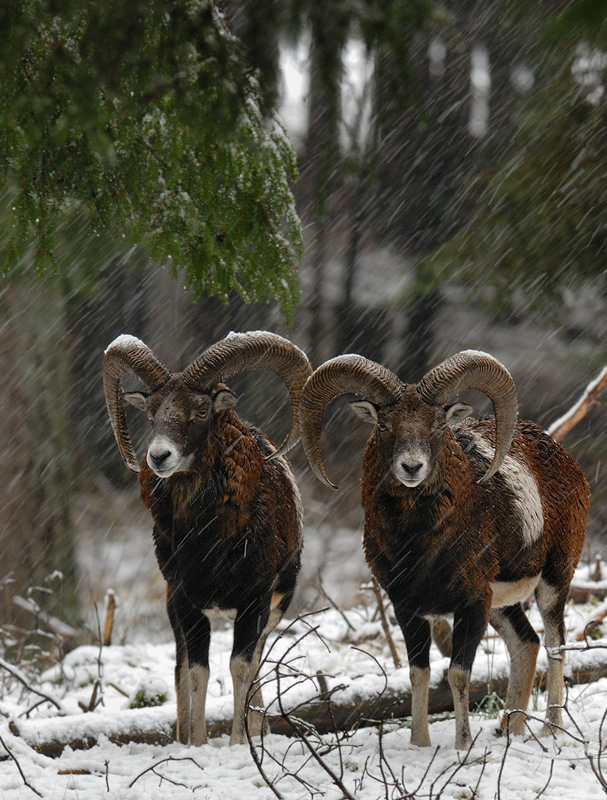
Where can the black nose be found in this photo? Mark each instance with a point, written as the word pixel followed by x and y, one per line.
pixel 158 459
pixel 411 469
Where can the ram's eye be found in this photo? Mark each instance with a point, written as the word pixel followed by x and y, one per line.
pixel 383 428
pixel 441 426
pixel 201 414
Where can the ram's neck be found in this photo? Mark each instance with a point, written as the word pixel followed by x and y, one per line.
pixel 222 481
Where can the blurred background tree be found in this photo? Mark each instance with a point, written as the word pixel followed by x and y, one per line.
pixel 124 128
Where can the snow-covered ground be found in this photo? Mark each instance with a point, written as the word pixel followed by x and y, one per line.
pixel 346 645
pixel 371 763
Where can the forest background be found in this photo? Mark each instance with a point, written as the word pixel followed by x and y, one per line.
pixel 450 194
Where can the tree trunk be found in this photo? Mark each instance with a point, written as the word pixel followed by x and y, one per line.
pixel 37 550
pixel 320 163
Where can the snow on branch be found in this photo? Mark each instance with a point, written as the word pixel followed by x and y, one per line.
pixel 590 397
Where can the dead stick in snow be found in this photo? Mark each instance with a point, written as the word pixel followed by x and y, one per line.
pixel 590 397
pixel 384 623
pixel 109 618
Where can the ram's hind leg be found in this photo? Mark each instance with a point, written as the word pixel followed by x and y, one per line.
pixel 257 718
pixel 523 644
pixel 251 627
pixel 551 602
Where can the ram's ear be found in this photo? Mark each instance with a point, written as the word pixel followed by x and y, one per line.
pixel 365 410
pixel 224 398
pixel 456 412
pixel 137 399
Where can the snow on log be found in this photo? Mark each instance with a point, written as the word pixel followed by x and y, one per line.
pixel 564 424
pixel 356 705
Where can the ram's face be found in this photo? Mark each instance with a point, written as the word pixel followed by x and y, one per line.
pixel 181 420
pixel 410 433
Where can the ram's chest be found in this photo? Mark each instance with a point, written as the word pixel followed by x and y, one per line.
pixel 209 560
pixel 205 543
pixel 412 550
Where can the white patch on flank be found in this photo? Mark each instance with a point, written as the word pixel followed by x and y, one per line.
pixel 507 593
pixel 524 487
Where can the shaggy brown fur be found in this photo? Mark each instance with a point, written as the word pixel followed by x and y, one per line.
pixel 453 545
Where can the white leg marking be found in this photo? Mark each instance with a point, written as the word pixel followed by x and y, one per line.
pixel 547 598
pixel 241 680
pixel 523 657
pixel 199 680
pixel 184 698
pixel 420 680
pixel 459 681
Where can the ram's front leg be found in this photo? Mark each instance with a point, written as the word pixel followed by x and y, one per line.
pixel 417 633
pixel 250 631
pixel 192 635
pixel 469 624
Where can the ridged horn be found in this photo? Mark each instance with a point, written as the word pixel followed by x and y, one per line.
pixel 471 369
pixel 347 373
pixel 254 350
pixel 128 355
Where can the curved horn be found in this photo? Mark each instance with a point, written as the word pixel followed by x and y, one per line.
pixel 254 350
pixel 128 355
pixel 348 373
pixel 471 369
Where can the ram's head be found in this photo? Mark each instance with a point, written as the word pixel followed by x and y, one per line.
pixel 182 407
pixel 411 419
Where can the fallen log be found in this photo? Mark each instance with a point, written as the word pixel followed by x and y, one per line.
pixel 583 592
pixel 157 725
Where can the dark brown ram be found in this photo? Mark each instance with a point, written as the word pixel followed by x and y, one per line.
pixel 462 517
pixel 227 512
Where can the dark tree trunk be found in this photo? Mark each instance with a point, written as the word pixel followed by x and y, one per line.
pixel 37 549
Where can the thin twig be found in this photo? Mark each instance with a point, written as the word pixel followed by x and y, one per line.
pixel 323 592
pixel 540 793
pixel 109 618
pixel 163 777
pixel 295 728
pixel 19 676
pixel 18 765
pixel 384 623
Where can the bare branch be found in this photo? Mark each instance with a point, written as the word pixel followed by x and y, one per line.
pixel 22 679
pixel 18 765
pixel 164 777
pixel 384 623
pixel 590 397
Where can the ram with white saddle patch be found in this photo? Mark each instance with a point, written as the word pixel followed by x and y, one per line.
pixel 464 517
pixel 228 519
